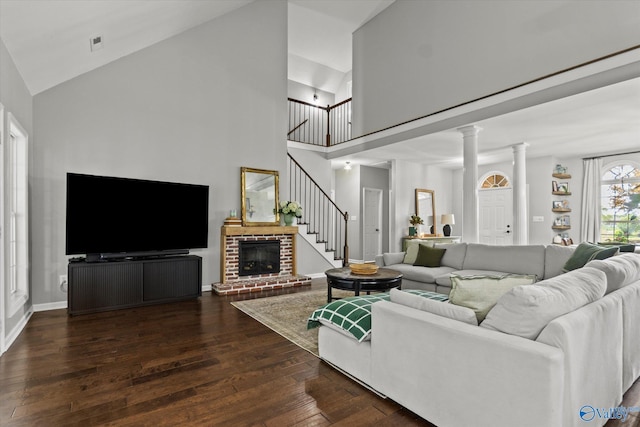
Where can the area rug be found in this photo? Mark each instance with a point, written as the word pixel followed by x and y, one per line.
pixel 288 314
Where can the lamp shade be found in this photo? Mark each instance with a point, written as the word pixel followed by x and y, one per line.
pixel 447 219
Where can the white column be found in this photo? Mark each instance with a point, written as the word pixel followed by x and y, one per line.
pixel 520 227
pixel 470 213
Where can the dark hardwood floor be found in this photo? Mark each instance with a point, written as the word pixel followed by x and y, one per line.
pixel 200 362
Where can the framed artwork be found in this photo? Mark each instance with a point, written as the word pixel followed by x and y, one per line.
pixel 563 187
pixel 557 204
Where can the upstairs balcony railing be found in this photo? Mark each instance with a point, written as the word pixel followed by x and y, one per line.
pixel 316 125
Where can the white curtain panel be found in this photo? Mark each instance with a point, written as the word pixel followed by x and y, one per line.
pixel 590 216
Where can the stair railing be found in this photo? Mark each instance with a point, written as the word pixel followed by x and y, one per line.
pixel 321 215
pixel 324 126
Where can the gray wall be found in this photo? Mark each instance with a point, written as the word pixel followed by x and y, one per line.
pixel 419 57
pixel 193 108
pixel 17 100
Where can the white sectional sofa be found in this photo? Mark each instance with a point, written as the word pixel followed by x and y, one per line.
pixel 474 259
pixel 555 353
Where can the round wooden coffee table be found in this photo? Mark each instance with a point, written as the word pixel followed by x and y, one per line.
pixel 343 278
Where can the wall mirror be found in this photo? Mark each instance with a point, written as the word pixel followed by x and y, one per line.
pixel 259 197
pixel 426 209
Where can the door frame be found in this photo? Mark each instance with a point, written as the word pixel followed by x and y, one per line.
pixel 509 186
pixel 3 269
pixel 380 195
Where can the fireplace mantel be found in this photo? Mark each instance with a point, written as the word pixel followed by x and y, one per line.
pixel 230 280
pixel 272 229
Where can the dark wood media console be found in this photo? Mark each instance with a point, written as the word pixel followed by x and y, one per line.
pixel 113 285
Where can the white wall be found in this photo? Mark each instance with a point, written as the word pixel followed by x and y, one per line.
pixel 419 57
pixel 302 92
pixel 193 108
pixel 17 100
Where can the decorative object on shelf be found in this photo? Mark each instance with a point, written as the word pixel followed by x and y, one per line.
pixel 448 220
pixel 561 170
pixel 560 206
pixel 233 213
pixel 232 222
pixel 563 187
pixel 290 210
pixel 415 220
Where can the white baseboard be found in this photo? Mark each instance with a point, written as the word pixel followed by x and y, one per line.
pixel 206 288
pixel 49 306
pixel 316 275
pixel 15 332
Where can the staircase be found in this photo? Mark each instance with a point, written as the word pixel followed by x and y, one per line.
pixel 322 224
pixel 321 247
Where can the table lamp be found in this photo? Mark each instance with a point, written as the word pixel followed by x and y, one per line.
pixel 448 220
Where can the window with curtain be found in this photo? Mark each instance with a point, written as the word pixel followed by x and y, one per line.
pixel 620 204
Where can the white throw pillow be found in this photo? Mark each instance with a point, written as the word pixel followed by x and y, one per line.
pixel 480 293
pixel 621 270
pixel 526 310
pixel 392 258
pixel 439 308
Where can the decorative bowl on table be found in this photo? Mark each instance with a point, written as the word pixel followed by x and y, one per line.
pixel 363 269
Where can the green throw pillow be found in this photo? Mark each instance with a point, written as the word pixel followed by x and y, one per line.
pixel 480 293
pixel 586 252
pixel 412 250
pixel 429 257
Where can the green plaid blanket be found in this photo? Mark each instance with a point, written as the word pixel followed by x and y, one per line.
pixel 353 314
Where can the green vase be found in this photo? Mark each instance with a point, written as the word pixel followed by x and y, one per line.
pixel 412 231
pixel 288 219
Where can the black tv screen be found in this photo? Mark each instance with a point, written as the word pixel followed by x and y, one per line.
pixel 109 215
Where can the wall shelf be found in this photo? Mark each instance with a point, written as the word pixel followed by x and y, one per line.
pixel 561 175
pixel 560 193
pixel 561 210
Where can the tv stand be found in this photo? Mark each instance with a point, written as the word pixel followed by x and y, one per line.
pixel 104 286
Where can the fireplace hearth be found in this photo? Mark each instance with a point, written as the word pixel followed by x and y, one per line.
pixel 278 264
pixel 259 257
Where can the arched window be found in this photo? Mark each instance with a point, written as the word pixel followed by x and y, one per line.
pixel 495 180
pixel 620 204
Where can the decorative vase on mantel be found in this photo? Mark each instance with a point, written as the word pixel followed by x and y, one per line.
pixel 288 219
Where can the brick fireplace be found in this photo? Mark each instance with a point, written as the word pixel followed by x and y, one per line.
pixel 233 281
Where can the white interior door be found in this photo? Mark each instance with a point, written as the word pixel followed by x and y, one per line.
pixel 496 216
pixel 372 229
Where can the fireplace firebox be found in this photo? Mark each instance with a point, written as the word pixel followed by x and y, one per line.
pixel 258 257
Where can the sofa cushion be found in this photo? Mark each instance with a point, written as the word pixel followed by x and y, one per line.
pixel 586 252
pixel 454 256
pixel 526 310
pixel 445 279
pixel 480 293
pixel 412 250
pixel 555 257
pixel 439 308
pixel 429 257
pixel 624 247
pixel 421 274
pixel 526 259
pixel 391 258
pixel 620 270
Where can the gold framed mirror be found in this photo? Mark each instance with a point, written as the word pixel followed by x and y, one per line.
pixel 426 209
pixel 259 195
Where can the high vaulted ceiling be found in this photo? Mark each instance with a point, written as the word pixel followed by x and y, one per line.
pixel 49 42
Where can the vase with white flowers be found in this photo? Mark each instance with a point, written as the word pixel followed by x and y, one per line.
pixel 289 210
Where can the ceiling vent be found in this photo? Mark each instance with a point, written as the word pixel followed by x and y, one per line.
pixel 95 43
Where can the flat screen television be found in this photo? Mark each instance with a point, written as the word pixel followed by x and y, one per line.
pixel 109 217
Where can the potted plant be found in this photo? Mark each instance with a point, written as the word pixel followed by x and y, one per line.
pixel 289 210
pixel 415 220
